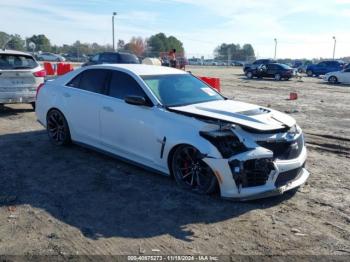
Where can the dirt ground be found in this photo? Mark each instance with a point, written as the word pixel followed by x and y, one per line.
pixel 77 201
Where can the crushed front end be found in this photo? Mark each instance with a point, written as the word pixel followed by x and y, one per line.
pixel 257 164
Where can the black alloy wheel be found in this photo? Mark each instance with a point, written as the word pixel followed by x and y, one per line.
pixel 57 128
pixel 191 172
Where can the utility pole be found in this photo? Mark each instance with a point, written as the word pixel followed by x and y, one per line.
pixel 335 43
pixel 114 14
pixel 275 48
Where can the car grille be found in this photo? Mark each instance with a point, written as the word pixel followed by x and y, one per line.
pixel 284 150
pixel 285 177
pixel 252 173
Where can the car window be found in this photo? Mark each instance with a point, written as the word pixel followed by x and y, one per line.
pixel 178 90
pixel 272 67
pixel 13 62
pixel 122 85
pixel 128 59
pixel 109 58
pixel 93 80
pixel 95 58
pixel 322 64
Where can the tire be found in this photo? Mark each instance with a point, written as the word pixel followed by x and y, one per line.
pixel 333 80
pixel 278 77
pixel 309 73
pixel 57 128
pixel 249 75
pixel 300 70
pixel 33 105
pixel 192 173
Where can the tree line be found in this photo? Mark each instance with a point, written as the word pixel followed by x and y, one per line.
pixel 142 47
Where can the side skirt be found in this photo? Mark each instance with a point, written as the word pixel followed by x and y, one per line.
pixel 126 160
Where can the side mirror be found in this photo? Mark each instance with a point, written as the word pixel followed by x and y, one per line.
pixel 136 100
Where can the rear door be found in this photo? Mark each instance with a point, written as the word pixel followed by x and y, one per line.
pixel 82 98
pixel 271 70
pixel 128 129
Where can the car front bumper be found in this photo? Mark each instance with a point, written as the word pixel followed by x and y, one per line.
pixel 229 189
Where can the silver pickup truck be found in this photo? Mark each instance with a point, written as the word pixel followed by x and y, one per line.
pixel 20 76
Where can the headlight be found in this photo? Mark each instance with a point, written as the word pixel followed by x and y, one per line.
pixel 226 142
pixel 293 131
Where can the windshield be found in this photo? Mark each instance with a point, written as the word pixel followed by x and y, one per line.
pixel 179 90
pixel 12 61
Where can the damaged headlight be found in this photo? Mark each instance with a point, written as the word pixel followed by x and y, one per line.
pixel 225 141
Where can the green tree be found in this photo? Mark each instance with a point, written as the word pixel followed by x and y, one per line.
pixel 41 42
pixel 226 52
pixel 14 42
pixel 161 43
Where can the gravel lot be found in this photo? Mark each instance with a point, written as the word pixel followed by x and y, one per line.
pixel 76 201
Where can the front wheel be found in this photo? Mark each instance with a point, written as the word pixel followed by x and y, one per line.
pixel 191 172
pixel 333 80
pixel 57 128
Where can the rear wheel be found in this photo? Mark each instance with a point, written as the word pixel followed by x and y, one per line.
pixel 309 73
pixel 249 75
pixel 57 128
pixel 191 172
pixel 333 80
pixel 277 77
pixel 33 105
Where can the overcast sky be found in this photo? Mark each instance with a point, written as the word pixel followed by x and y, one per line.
pixel 302 28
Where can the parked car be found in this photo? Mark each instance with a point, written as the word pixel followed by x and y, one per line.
pixel 272 70
pixel 50 57
pixel 338 77
pixel 169 121
pixel 257 63
pixel 324 67
pixel 113 58
pixel 20 76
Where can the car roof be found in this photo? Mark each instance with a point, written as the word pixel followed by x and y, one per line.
pixel 140 69
pixel 13 52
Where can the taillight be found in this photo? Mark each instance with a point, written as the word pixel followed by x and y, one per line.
pixel 41 73
pixel 38 89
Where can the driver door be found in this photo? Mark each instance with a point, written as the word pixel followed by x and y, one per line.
pixel 126 129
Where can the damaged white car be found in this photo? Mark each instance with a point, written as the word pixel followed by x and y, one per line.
pixel 171 122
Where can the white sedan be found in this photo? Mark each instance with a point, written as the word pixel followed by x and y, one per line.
pixel 171 122
pixel 338 77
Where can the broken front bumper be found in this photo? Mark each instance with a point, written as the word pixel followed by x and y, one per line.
pixel 285 175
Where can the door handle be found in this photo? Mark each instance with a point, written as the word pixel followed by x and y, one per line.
pixel 108 109
pixel 66 95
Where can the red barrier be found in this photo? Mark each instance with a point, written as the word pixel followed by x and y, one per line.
pixel 293 96
pixel 212 81
pixel 50 71
pixel 64 68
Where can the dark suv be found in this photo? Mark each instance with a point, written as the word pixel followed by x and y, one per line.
pixel 324 67
pixel 272 70
pixel 257 63
pixel 112 58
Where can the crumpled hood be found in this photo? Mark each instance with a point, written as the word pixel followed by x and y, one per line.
pixel 240 113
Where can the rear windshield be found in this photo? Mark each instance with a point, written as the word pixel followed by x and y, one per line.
pixel 128 59
pixel 11 62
